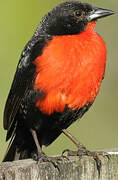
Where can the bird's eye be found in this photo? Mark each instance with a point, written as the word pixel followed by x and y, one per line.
pixel 77 13
pixel 87 10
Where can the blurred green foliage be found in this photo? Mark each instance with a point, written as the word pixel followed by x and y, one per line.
pixel 98 129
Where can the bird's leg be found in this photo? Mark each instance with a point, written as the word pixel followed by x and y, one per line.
pixel 40 153
pixel 33 132
pixel 83 151
pixel 74 140
pixel 41 156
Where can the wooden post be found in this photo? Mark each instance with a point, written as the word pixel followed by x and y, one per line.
pixel 73 169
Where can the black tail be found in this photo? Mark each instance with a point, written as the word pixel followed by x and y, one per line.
pixel 13 154
pixel 11 151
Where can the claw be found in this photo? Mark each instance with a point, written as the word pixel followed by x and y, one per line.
pixel 44 158
pixel 97 160
pixel 84 152
pixel 64 151
pixel 95 156
pixel 63 156
pixel 105 154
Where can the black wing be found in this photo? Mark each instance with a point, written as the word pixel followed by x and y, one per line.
pixel 23 79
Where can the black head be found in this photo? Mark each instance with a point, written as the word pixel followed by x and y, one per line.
pixel 71 18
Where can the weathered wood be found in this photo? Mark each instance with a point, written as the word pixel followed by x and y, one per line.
pixel 72 169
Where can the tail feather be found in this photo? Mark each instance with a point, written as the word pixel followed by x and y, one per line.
pixel 12 153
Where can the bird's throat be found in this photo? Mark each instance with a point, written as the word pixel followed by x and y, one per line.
pixel 90 28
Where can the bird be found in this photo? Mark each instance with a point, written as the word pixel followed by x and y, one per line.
pixel 57 79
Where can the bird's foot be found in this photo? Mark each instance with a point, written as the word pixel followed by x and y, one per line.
pixel 42 157
pixel 84 152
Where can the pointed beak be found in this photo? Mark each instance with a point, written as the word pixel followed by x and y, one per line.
pixel 98 13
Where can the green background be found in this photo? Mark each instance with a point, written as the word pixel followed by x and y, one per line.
pixel 98 129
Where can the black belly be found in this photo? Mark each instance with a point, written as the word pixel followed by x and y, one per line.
pixel 48 127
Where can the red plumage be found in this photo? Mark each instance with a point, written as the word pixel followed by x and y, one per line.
pixel 71 70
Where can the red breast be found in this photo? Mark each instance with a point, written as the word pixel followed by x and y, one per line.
pixel 71 69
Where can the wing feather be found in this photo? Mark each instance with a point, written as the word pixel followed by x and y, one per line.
pixel 23 79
